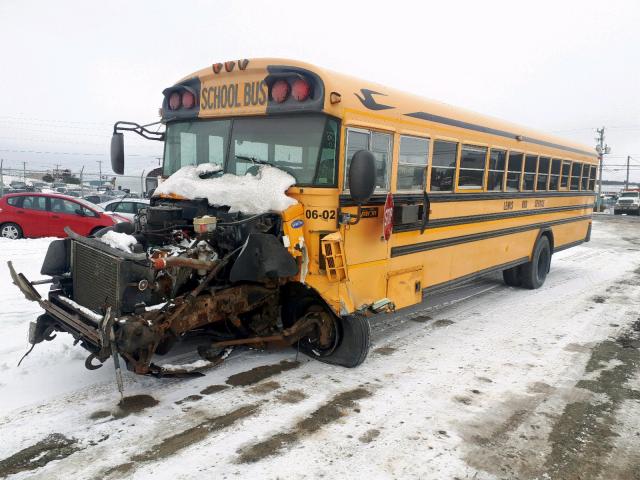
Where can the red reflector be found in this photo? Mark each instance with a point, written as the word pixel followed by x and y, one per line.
pixel 188 100
pixel 280 91
pixel 300 90
pixel 174 101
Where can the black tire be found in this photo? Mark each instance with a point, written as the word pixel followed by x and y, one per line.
pixel 352 334
pixel 512 276
pixel 534 273
pixel 11 231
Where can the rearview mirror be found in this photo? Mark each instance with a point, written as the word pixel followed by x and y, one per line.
pixel 117 153
pixel 362 176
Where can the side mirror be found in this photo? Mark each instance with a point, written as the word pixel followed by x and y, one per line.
pixel 362 176
pixel 117 153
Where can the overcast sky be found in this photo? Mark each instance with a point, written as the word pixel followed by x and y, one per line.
pixel 72 68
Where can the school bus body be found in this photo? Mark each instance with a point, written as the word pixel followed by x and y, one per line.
pixel 469 232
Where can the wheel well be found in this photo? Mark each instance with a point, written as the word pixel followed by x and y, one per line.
pixel 549 235
pixel 96 230
pixel 293 292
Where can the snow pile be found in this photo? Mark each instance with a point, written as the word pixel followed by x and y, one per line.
pixel 261 193
pixel 118 240
pixel 208 168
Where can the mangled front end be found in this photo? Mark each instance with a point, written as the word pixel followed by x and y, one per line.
pixel 185 267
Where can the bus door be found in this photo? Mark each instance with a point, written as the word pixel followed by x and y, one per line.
pixel 364 241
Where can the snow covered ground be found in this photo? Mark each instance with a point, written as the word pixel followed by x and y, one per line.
pixel 481 382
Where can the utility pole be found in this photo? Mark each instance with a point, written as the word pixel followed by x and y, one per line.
pixel 601 148
pixel 1 178
pixel 100 170
pixel 24 171
pixel 626 182
pixel 56 174
pixel 81 182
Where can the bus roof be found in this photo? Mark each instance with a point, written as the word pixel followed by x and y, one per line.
pixel 241 88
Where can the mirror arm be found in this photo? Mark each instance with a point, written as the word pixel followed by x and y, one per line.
pixel 141 130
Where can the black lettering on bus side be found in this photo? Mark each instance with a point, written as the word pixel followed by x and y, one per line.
pixel 236 100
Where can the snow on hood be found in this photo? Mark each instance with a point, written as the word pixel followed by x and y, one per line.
pixel 260 193
pixel 118 240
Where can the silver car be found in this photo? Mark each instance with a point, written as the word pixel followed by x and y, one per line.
pixel 126 207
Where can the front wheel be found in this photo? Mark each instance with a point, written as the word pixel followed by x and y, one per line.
pixel 12 231
pixel 534 273
pixel 343 341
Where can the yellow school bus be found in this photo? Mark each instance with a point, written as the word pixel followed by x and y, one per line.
pixel 396 196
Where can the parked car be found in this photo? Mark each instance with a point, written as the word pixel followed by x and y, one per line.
pixel 126 207
pixel 97 199
pixel 47 214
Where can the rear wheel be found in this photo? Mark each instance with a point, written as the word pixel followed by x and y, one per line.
pixel 512 276
pixel 11 230
pixel 534 273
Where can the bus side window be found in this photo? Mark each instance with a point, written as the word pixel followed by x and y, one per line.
pixel 530 167
pixel 564 177
pixel 412 164
pixel 443 166
pixel 576 172
pixel 543 173
pixel 554 182
pixel 497 162
pixel 514 171
pixel 592 178
pixel 472 165
pixel 380 145
pixel 585 177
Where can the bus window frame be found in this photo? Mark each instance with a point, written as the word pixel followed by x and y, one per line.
pixel 458 143
pixel 579 176
pixel 547 173
pixel 524 171
pixel 567 187
pixel 461 146
pixel 506 170
pixel 390 162
pixel 396 161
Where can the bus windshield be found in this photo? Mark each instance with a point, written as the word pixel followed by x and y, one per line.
pixel 304 146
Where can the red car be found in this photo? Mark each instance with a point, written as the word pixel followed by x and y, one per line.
pixel 47 214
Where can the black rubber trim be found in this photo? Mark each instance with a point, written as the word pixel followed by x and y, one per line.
pixel 472 276
pixel 435 197
pixel 568 245
pixel 493 131
pixel 194 86
pixel 447 222
pixel 315 102
pixel 447 242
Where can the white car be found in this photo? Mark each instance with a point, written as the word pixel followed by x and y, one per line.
pixel 628 202
pixel 125 207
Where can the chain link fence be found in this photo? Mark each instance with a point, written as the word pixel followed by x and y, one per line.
pixel 77 182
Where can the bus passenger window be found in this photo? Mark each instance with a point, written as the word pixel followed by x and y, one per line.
pixel 497 160
pixel 472 164
pixel 412 163
pixel 564 178
pixel 530 166
pixel 585 177
pixel 514 171
pixel 381 149
pixel 380 145
pixel 576 172
pixel 443 166
pixel 543 173
pixel 555 175
pixel 592 178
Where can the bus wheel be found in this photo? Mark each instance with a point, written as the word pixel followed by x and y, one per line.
pixel 343 341
pixel 535 272
pixel 512 276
